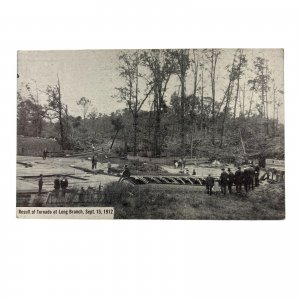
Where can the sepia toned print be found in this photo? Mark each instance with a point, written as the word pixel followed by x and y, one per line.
pixel 151 134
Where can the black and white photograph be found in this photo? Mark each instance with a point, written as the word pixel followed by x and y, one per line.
pixel 192 134
pixel 149 150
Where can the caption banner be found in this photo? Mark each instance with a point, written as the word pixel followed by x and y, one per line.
pixel 65 212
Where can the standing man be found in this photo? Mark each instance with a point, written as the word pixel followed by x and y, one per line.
pixel 209 184
pixel 108 167
pixel 223 181
pixel 230 180
pixel 56 186
pixel 125 174
pixel 64 184
pixel 238 177
pixel 247 179
pixel 40 183
pixel 81 196
pixel 256 175
pixel 45 152
pixel 93 162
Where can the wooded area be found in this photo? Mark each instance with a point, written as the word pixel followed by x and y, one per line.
pixel 154 123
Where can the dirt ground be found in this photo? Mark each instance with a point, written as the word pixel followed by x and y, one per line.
pixel 27 177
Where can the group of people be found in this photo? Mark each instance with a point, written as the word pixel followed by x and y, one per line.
pixel 179 163
pixel 60 184
pixel 248 177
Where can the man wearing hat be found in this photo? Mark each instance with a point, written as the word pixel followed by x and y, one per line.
pixel 40 183
pixel 64 184
pixel 209 184
pixel 238 177
pixel 125 174
pixel 223 181
pixel 57 186
pixel 230 180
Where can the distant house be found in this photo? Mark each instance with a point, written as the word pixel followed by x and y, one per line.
pixel 34 146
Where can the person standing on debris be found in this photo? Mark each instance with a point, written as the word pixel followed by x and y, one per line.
pixel 176 164
pixel 93 162
pixel 45 152
pixel 230 180
pixel 247 179
pixel 109 167
pixel 40 183
pixel 238 178
pixel 256 175
pixel 125 174
pixel 56 186
pixel 194 172
pixel 180 163
pixel 223 181
pixel 209 184
pixel 81 194
pixel 64 184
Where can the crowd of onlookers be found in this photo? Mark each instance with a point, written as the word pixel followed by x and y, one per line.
pixel 246 179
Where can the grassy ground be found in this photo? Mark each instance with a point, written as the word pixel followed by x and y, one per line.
pixel 181 202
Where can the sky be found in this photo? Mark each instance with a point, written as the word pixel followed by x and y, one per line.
pixel 94 74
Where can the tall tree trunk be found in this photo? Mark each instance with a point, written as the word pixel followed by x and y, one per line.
pixel 156 145
pixel 236 98
pixel 202 102
pixel 213 96
pixel 274 109
pixel 267 106
pixel 135 124
pixel 244 93
pixel 250 105
pixel 113 141
pixel 225 112
pixel 62 136
pixel 182 128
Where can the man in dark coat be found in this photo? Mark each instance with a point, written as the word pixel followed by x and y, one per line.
pixel 125 174
pixel 81 195
pixel 256 175
pixel 56 186
pixel 249 178
pixel 40 183
pixel 45 153
pixel 64 184
pixel 238 178
pixel 93 162
pixel 209 184
pixel 230 180
pixel 223 181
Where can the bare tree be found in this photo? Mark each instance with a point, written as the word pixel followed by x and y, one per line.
pixel 161 66
pixel 181 57
pixel 212 56
pixel 55 108
pixel 239 72
pixel 130 93
pixel 85 104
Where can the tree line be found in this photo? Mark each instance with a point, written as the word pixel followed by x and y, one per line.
pixel 154 121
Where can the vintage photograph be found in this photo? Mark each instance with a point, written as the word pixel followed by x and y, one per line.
pixel 194 134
